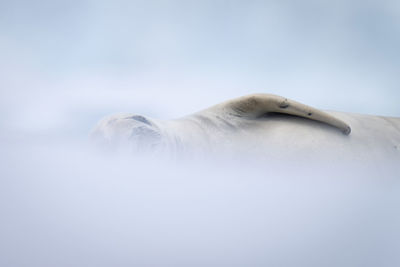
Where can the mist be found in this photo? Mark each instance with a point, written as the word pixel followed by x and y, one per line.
pixel 66 64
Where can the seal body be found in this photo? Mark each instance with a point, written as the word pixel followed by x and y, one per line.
pixel 261 125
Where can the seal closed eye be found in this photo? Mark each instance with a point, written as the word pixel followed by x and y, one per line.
pixel 139 118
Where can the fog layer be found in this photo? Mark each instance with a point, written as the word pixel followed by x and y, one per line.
pixel 65 64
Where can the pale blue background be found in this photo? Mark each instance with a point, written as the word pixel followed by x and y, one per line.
pixel 65 64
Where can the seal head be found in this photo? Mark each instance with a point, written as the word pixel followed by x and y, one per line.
pixel 129 131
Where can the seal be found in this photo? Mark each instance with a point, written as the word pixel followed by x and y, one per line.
pixel 146 132
pixel 264 123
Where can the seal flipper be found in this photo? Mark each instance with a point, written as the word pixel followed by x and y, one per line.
pixel 256 105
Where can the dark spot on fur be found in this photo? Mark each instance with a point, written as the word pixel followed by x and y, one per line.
pixel 284 104
pixel 347 131
pixel 140 118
